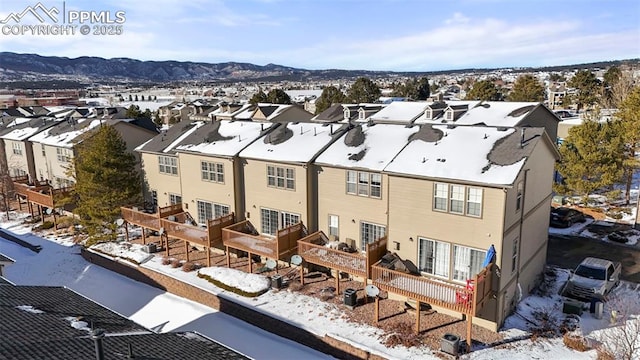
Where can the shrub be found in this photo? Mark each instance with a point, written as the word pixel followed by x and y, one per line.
pixel 175 263
pixel 234 290
pixel 188 266
pixel 44 226
pixel 613 195
pixel 575 342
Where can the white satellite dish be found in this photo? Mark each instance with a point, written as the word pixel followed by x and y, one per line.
pixel 270 264
pixel 119 222
pixel 296 260
pixel 372 290
pixel 161 231
pixel 49 211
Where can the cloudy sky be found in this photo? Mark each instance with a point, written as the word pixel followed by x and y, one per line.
pixel 397 35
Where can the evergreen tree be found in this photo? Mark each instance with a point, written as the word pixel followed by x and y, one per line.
pixel 414 89
pixel 628 116
pixel 136 98
pixel 484 90
pixel 130 97
pixel 363 90
pixel 330 95
pixel 158 120
pixel 142 98
pixel 105 179
pixel 278 96
pixel 590 157
pixel 587 86
pixel 258 97
pixel 556 77
pixel 527 88
pixel 133 112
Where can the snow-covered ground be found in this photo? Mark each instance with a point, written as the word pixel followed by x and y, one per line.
pixel 59 264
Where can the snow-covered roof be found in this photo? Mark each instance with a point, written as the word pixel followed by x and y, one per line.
pixel 400 111
pixel 291 142
pixel 20 134
pixel 477 154
pixel 21 129
pixel 367 146
pixel 66 132
pixel 245 114
pixel 497 113
pixel 222 138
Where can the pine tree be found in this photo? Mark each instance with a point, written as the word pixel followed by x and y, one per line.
pixel 587 86
pixel 590 156
pixel 330 95
pixel 484 90
pixel 527 88
pixel 278 96
pixel 259 97
pixel 363 90
pixel 629 118
pixel 105 178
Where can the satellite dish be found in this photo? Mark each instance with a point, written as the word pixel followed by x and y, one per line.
pixel 161 231
pixel 119 222
pixel 270 264
pixel 296 260
pixel 372 290
pixel 49 211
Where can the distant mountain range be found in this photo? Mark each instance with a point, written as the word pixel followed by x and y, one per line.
pixel 32 68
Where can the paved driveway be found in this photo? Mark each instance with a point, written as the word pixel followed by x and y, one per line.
pixel 567 251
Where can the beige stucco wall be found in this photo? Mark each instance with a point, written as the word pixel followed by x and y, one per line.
pixel 411 216
pixel 198 189
pixel 350 209
pixel 164 184
pixel 258 195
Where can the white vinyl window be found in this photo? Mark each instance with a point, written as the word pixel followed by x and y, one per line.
pixel 448 115
pixel 434 257
pixel 17 148
pixel 352 184
pixel 440 196
pixel 281 177
pixel 364 184
pixel 208 211
pixel 456 199
pixel 519 195
pixel 474 201
pixel 154 198
pixel 334 225
pixel 212 171
pixel 288 219
pixel 428 114
pixel 269 221
pixel 168 165
pixel 370 233
pixel 44 153
pixel 467 262
pixel 175 199
pixel 63 155
pixel 514 256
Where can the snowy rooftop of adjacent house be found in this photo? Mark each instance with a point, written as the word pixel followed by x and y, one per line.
pixel 497 113
pixel 478 154
pixel 64 134
pixel 168 139
pixel 223 138
pixel 22 128
pixel 291 142
pixel 271 111
pixel 244 114
pixel 400 111
pixel 367 147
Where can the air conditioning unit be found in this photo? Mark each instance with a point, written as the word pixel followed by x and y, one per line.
pixel 350 297
pixel 351 242
pixel 450 344
pixel 150 248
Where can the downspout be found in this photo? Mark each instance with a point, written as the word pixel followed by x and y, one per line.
pixel 522 210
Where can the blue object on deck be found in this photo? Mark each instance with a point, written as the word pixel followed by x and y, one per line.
pixel 491 256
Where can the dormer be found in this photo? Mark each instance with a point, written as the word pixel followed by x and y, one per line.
pixel 452 113
pixel 362 114
pixel 434 110
pixel 347 113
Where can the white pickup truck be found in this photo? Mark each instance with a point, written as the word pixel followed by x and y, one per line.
pixel 593 278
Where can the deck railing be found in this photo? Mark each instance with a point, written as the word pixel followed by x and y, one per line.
pixel 187 232
pixel 352 263
pixel 141 218
pixel 243 236
pixel 458 298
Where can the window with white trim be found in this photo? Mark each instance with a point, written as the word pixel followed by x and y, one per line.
pixel 467 262
pixel 62 182
pixel 168 165
pixel 457 199
pixel 369 233
pixel 17 148
pixel 44 153
pixel 520 190
pixel 63 155
pixel 269 221
pixel 434 257
pixel 334 225
pixel 175 199
pixel 154 198
pixel 288 219
pixel 281 177
pixel 428 114
pixel 19 172
pixel 448 115
pixel 212 171
pixel 208 210
pixel 364 184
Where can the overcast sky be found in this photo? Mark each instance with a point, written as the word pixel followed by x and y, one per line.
pixel 397 35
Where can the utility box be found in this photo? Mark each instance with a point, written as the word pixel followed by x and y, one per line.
pixel 350 297
pixel 150 248
pixel 572 307
pixel 450 344
pixel 599 310
pixel 276 281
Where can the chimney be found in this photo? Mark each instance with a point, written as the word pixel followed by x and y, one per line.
pixel 522 137
pixel 97 335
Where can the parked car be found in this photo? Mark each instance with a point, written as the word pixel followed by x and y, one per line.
pixel 565 217
pixel 593 278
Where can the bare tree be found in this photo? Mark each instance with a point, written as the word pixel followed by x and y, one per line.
pixel 622 339
pixel 619 90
